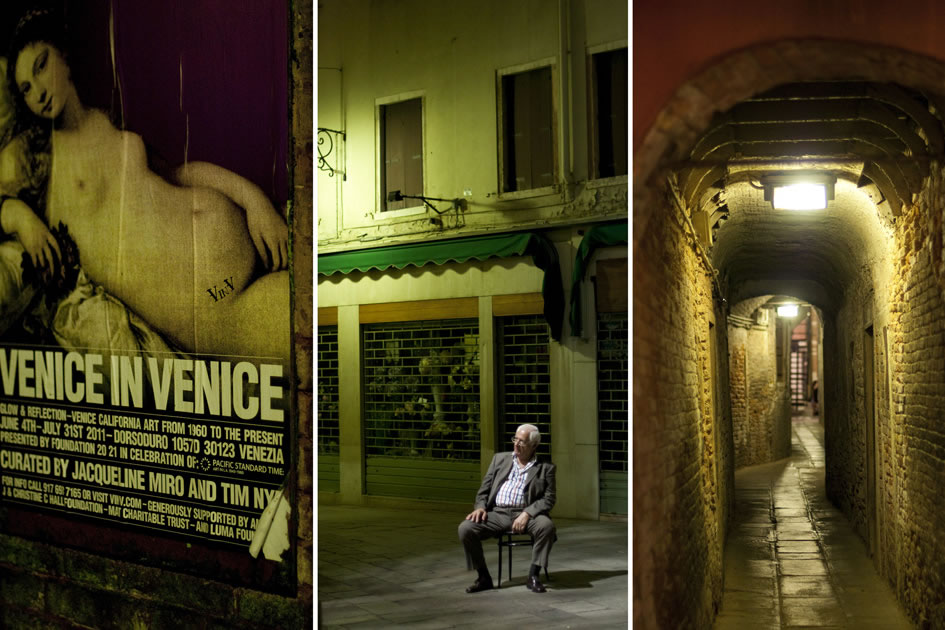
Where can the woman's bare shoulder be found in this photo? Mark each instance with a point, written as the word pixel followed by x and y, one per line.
pixel 97 133
pixel 96 119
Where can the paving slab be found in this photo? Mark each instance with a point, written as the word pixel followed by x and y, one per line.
pixel 383 568
pixel 823 576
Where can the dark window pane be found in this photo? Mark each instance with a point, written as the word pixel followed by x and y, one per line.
pixel 610 115
pixel 402 148
pixel 528 130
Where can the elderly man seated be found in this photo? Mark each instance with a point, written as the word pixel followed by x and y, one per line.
pixel 516 494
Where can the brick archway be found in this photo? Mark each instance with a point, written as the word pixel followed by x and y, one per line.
pixel 753 70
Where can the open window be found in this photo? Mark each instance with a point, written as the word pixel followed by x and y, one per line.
pixel 526 130
pixel 400 132
pixel 608 113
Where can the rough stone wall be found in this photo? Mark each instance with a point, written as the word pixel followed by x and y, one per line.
pixel 738 383
pixel 918 405
pixel 908 317
pixel 844 425
pixel 761 411
pixel 42 586
pixel 725 454
pixel 679 480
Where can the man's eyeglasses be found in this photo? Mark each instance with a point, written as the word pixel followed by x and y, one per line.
pixel 518 441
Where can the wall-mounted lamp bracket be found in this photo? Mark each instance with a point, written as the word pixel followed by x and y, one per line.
pixel 457 203
pixel 326 145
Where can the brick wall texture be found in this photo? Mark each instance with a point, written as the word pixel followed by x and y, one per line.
pixel 908 332
pixel 761 405
pixel 681 488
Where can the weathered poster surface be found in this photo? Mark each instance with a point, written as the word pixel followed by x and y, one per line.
pixel 144 294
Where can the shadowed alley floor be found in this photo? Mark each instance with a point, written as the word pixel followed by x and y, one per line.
pixel 792 559
pixel 379 568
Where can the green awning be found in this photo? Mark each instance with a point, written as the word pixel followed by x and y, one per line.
pixel 460 250
pixel 598 236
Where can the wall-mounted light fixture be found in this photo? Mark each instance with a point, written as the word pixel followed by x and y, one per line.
pixel 799 191
pixel 396 195
pixel 787 310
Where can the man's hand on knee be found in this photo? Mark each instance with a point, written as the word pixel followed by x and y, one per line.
pixel 518 525
pixel 477 516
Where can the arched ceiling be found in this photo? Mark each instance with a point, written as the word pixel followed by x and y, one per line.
pixel 813 255
pixel 877 139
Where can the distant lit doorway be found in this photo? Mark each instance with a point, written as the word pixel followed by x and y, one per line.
pixel 800 365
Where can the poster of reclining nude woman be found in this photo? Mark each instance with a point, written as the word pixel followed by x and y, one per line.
pixel 144 283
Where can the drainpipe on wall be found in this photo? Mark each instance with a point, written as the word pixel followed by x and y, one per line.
pixel 565 96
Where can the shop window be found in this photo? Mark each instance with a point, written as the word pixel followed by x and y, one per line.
pixel 524 377
pixel 401 151
pixel 527 147
pixel 608 113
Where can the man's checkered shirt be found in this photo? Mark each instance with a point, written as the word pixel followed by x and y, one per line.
pixel 512 492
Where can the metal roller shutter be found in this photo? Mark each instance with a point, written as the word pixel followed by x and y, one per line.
pixel 612 410
pixel 327 409
pixel 524 376
pixel 421 409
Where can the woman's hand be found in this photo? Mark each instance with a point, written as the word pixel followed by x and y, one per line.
pixel 19 219
pixel 270 235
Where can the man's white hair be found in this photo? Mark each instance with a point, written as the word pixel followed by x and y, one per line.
pixel 534 435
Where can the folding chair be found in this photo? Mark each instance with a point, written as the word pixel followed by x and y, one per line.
pixel 510 539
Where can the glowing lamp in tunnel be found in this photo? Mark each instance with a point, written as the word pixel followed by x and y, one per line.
pixel 788 310
pixel 799 192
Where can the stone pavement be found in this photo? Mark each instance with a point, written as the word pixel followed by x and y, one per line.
pixel 792 559
pixel 382 568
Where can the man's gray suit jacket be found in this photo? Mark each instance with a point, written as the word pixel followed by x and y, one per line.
pixel 539 490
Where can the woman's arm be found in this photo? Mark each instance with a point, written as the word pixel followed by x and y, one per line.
pixel 18 219
pixel 266 227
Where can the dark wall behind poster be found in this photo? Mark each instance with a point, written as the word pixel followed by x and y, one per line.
pixel 191 80
pixel 194 84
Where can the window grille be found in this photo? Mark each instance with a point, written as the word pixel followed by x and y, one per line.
pixel 327 409
pixel 798 372
pixel 612 387
pixel 421 390
pixel 799 364
pixel 524 391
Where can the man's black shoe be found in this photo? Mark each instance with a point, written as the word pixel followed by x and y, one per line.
pixel 480 585
pixel 535 585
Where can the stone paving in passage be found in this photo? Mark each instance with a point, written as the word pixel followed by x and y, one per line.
pixel 382 568
pixel 792 559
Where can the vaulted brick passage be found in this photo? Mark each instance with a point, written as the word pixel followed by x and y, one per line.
pixel 713 259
